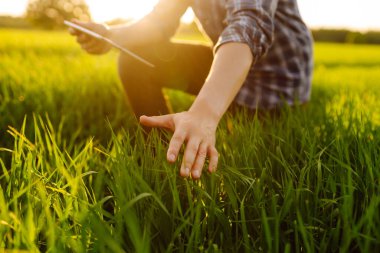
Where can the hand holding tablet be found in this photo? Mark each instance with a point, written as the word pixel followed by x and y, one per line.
pixel 112 43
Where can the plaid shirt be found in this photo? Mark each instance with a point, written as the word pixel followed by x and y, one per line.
pixel 279 40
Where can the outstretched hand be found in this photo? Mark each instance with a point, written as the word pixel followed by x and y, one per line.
pixel 197 132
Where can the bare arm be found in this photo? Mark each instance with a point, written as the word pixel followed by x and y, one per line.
pixel 129 36
pixel 197 126
pixel 158 25
pixel 137 34
pixel 228 72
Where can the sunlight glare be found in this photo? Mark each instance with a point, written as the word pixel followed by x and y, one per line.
pixel 188 17
pixel 107 10
pixel 362 15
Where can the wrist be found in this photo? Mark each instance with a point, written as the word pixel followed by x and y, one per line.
pixel 203 108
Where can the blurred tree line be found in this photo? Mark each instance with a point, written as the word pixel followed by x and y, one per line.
pixel 346 36
pixel 14 22
pixel 50 14
pixel 319 35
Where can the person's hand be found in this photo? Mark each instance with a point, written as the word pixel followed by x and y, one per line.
pixel 197 132
pixel 90 44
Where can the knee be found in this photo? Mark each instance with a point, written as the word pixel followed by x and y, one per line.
pixel 130 68
pixel 124 65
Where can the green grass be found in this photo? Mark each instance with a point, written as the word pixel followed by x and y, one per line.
pixel 77 175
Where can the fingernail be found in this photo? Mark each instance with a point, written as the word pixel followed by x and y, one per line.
pixel 187 172
pixel 196 174
pixel 171 158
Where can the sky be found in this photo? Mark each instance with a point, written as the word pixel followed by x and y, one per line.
pixel 354 14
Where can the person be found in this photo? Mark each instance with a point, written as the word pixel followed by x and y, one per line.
pixel 261 58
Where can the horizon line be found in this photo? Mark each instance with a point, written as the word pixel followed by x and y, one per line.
pixel 319 27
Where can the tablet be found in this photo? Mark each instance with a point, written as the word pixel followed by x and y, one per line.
pixel 114 44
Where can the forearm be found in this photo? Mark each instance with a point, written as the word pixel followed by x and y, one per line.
pixel 196 127
pixel 136 34
pixel 228 73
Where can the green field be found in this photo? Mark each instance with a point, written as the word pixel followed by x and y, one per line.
pixel 77 175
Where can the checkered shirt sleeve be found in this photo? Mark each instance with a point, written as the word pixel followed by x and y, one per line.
pixel 249 22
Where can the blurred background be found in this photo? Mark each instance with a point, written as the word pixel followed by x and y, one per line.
pixel 338 20
pixel 76 176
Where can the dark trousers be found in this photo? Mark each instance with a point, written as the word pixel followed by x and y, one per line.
pixel 177 66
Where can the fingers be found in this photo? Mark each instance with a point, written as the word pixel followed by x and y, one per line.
pixel 167 122
pixel 92 44
pixel 194 157
pixel 87 43
pixel 164 121
pixel 175 145
pixel 73 31
pixel 200 142
pixel 214 157
pixel 84 38
pixel 88 25
pixel 189 156
pixel 95 50
pixel 76 32
pixel 199 161
pixel 101 29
